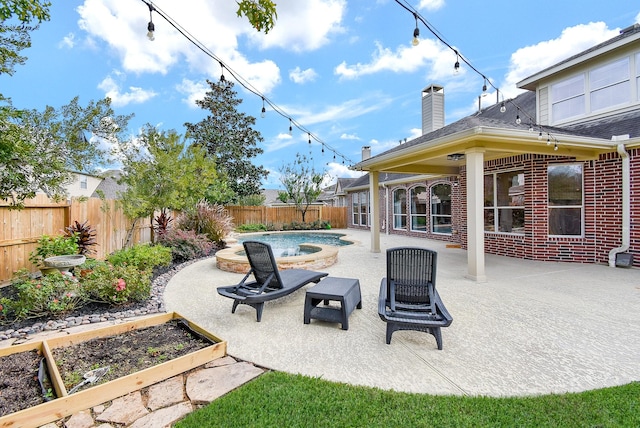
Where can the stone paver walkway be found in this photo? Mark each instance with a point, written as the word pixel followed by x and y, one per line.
pixel 166 402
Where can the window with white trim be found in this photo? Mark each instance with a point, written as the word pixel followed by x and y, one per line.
pixel 568 98
pixel 418 209
pixel 400 209
pixel 83 182
pixel 638 76
pixel 610 85
pixel 360 208
pixel 504 202
pixel 565 199
pixel 441 208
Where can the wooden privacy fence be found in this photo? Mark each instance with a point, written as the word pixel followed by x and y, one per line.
pixel 277 216
pixel 21 229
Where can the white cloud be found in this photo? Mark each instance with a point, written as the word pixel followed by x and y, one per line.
pixel 303 25
pixel 135 95
pixel 281 141
pixel 430 4
pixel 638 18
pixel 349 137
pixel 529 60
pixel 405 59
pixel 123 27
pixel 303 76
pixel 192 91
pixel 346 110
pixel 67 41
pixel 335 169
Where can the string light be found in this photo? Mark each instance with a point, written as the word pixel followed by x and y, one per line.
pixel 239 79
pixel 487 81
pixel 416 32
pixel 263 113
pixel 222 79
pixel 150 27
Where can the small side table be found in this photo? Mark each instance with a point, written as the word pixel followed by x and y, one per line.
pixel 346 291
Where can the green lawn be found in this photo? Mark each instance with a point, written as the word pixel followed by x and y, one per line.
pixel 278 399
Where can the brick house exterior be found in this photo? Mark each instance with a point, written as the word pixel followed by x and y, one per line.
pixel 555 185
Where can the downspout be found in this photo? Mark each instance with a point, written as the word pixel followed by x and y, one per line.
pixel 385 222
pixel 626 212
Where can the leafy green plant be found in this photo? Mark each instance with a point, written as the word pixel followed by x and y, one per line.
pixel 211 220
pixel 186 245
pixel 49 246
pixel 144 257
pixel 48 295
pixel 117 284
pixel 251 227
pixel 85 237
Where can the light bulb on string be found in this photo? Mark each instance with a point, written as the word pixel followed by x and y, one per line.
pixel 518 120
pixel 484 87
pixel 530 125
pixel 548 139
pixel 503 108
pixel 416 33
pixel 456 66
pixel 263 113
pixel 150 27
pixel 540 135
pixel 290 128
pixel 555 146
pixel 222 78
pixel 309 135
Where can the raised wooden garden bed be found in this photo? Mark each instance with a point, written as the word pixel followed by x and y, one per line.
pixel 63 403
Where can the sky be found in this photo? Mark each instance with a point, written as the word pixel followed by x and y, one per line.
pixel 344 70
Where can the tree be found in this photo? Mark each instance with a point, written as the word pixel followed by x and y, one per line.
pixel 260 13
pixel 15 37
pixel 229 138
pixel 161 172
pixel 38 150
pixel 302 183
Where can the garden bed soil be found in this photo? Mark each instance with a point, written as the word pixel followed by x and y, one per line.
pixel 19 385
pixel 124 353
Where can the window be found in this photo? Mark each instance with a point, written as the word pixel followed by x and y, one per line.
pixel 638 76
pixel 83 182
pixel 360 208
pixel 419 209
pixel 400 209
pixel 610 85
pixel 565 199
pixel 568 98
pixel 441 208
pixel 504 202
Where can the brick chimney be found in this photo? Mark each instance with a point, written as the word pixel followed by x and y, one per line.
pixel 432 108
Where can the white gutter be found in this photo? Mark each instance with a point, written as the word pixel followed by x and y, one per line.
pixel 626 212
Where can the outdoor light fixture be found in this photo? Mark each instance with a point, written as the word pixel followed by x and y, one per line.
pixel 150 27
pixel 456 66
pixel 222 79
pixel 518 120
pixel 291 128
pixel 503 108
pixel 416 33
pixel 455 156
pixel 484 87
pixel 263 113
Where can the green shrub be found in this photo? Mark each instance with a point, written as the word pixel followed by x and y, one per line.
pixel 211 220
pixel 49 246
pixel 51 294
pixel 144 257
pixel 116 284
pixel 251 227
pixel 186 244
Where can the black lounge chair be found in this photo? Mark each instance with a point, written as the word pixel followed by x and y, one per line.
pixel 269 283
pixel 408 296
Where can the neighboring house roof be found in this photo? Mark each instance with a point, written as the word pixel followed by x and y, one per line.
pixel 109 187
pixel 271 197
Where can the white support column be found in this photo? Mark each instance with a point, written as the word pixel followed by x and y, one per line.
pixel 374 206
pixel 475 215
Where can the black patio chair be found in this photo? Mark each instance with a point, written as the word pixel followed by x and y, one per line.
pixel 268 282
pixel 408 296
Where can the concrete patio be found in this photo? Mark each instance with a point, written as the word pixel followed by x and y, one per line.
pixel 532 328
